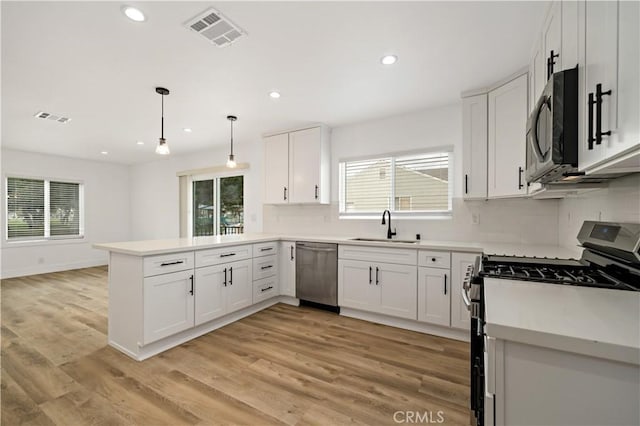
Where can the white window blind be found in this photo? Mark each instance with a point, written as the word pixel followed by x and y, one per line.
pixel 414 185
pixel 43 209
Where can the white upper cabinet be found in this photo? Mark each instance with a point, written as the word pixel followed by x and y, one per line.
pixel 610 97
pixel 297 167
pixel 474 147
pixel 552 40
pixel 507 131
pixel 276 169
pixel 537 73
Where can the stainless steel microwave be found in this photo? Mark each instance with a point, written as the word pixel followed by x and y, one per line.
pixel 552 130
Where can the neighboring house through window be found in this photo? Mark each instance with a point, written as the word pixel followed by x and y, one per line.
pixel 39 209
pixel 411 185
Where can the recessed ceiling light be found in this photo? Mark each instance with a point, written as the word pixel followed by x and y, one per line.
pixel 187 129
pixel 140 143
pixel 388 59
pixel 103 152
pixel 274 94
pixel 133 13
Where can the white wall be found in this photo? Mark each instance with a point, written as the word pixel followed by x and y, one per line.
pixel 512 221
pixel 155 209
pixel 619 202
pixel 107 213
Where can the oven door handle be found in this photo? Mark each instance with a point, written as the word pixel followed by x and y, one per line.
pixel 465 298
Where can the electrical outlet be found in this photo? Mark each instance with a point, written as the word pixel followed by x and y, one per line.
pixel 475 218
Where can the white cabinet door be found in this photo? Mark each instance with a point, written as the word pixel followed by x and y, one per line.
pixel 398 288
pixel 552 39
pixel 210 294
pixel 356 285
pixel 304 165
pixel 474 147
pixel 276 169
pixel 600 67
pixel 459 264
pixel 239 285
pixel 537 73
pixel 628 134
pixel 507 132
pixel 288 268
pixel 434 295
pixel 168 305
pixel 569 34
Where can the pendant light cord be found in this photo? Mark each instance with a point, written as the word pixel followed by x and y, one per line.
pixel 231 137
pixel 162 120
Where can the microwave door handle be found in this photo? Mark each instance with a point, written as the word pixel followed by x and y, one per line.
pixel 534 140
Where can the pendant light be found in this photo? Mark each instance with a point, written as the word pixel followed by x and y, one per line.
pixel 162 148
pixel 231 162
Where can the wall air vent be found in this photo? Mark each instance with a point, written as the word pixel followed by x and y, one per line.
pixel 52 117
pixel 215 27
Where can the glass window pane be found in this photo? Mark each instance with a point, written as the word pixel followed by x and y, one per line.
pixel 203 208
pixel 422 183
pixel 367 185
pixel 64 208
pixel 25 208
pixel 231 205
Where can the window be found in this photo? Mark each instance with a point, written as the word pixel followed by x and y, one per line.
pixel 409 185
pixel 217 206
pixel 43 209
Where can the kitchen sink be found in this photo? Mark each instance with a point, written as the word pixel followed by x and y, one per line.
pixel 385 240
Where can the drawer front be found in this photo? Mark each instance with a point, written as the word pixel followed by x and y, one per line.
pixel 265 249
pixel 400 256
pixel 264 289
pixel 222 255
pixel 167 263
pixel 434 259
pixel 266 266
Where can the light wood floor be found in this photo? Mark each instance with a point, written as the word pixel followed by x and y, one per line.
pixel 282 365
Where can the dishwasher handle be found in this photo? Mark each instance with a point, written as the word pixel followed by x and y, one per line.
pixel 311 248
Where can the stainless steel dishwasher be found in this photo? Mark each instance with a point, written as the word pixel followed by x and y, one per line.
pixel 317 273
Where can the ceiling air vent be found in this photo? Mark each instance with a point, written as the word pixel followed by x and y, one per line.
pixel 52 117
pixel 216 28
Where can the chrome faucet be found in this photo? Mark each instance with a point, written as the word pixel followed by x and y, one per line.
pixel 389 233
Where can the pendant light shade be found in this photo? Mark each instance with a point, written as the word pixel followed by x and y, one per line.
pixel 162 148
pixel 231 162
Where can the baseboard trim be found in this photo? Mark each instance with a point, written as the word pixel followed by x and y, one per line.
pixel 47 269
pixel 420 327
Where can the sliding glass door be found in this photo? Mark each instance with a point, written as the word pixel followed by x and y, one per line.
pixel 218 206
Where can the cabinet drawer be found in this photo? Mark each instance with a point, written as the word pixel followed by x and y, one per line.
pixel 166 263
pixel 264 289
pixel 222 255
pixel 375 254
pixel 265 249
pixel 434 259
pixel 265 266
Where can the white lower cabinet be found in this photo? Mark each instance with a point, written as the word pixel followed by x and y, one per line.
pixel 222 289
pixel 168 304
pixel 378 287
pixel 434 296
pixel 460 317
pixel 288 268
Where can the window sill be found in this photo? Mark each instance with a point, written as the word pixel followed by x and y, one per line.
pixel 44 242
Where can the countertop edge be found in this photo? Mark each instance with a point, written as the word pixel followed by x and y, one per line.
pixel 604 350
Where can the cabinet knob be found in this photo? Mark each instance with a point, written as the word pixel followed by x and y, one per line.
pixel 433 259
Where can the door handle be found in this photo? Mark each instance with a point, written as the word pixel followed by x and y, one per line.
pixel 520 184
pixel 191 291
pixel 445 284
pixel 370 275
pixel 225 277
pixel 599 95
pixel 231 276
pixel 377 279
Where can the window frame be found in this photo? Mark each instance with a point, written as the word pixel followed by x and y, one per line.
pixel 398 214
pixel 216 178
pixel 47 238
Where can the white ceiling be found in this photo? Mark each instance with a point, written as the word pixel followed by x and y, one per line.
pixel 85 60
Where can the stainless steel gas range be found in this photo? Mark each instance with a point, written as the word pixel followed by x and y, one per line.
pixel 610 260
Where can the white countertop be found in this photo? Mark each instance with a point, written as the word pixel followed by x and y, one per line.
pixel 174 245
pixel 591 321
